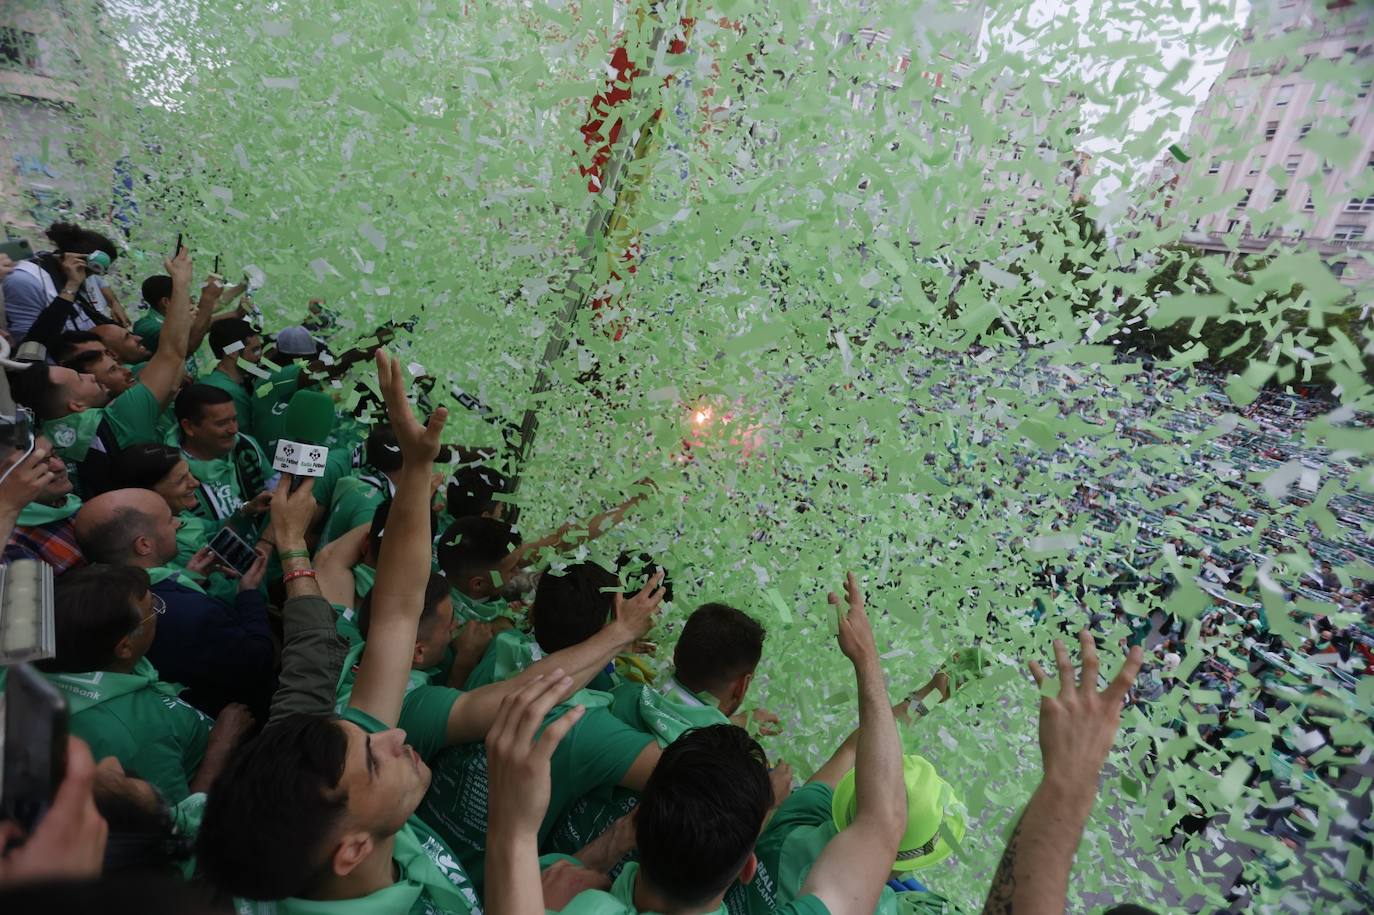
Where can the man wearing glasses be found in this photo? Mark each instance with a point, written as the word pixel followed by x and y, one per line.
pixel 106 617
pixel 44 529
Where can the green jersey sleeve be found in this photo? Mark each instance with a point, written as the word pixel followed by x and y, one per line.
pixel 133 416
pixel 424 717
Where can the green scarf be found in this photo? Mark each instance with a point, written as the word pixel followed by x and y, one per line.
pixel 468 608
pixel 91 689
pixel 676 709
pixel 36 514
pixel 72 434
pixel 179 575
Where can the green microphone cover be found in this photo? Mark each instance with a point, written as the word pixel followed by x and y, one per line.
pixel 309 417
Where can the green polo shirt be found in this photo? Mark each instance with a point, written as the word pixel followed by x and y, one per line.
pixel 424 710
pixel 139 720
pixel 353 502
pixel 590 759
pixel 431 882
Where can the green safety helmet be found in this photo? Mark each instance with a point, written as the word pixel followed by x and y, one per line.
pixel 930 804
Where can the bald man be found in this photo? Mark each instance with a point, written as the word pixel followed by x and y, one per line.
pixel 222 652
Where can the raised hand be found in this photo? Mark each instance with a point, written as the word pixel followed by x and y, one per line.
pixel 518 754
pixel 1078 726
pixel 855 633
pixel 419 443
pixel 636 615
pixel 74 269
pixel 178 268
pixel 26 481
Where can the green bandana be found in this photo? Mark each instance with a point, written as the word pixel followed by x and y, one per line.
pixel 90 689
pixel 72 435
pixel 36 514
pixel 676 709
pixel 180 576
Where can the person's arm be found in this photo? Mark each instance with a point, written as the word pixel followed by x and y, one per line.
pixel 232 725
pixel 334 566
pixel 47 322
pixel 518 789
pixel 569 536
pixel 1077 729
pixel 473 712
pixel 116 307
pixel 853 867
pixel 163 373
pixel 403 566
pixel 205 315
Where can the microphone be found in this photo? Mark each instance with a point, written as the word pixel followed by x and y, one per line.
pixel 309 419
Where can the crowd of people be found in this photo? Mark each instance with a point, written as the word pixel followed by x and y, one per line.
pixel 1239 502
pixel 394 704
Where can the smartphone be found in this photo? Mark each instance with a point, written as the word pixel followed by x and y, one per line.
pixel 35 754
pixel 177 249
pixel 215 270
pixel 232 550
pixel 18 249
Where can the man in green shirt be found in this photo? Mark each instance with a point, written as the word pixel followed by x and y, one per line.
pixel 233 471
pixel 238 347
pixel 355 499
pixel 84 423
pixel 713 664
pixel 700 814
pixel 106 617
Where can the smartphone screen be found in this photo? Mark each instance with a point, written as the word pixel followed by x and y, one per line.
pixel 233 550
pixel 35 753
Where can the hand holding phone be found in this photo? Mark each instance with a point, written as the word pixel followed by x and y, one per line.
pixel 69 842
pixel 35 754
pixel 232 550
pixel 177 249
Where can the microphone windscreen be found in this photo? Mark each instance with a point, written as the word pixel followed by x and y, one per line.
pixel 309 417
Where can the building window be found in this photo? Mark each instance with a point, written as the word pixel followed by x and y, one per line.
pixel 1280 193
pixel 18 49
pixel 978 220
pixel 1244 200
pixel 1323 92
pixel 1308 205
pixel 1360 205
pixel 1338 268
pixel 1232 225
pixel 1270 129
pixel 1215 167
pixel 1290 165
pixel 1364 88
pixel 1285 95
pixel 1256 164
pixel 1348 232
pixel 1304 130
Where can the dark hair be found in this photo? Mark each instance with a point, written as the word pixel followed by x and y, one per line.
pixel 378 527
pixel 635 570
pixel 572 607
pixel 471 490
pixel 718 644
pixel 93 608
pixel 471 546
pixel 272 810
pixel 110 541
pixel 701 812
pixel 128 893
pixel 143 466
pixel 72 239
pixel 66 343
pixel 34 388
pixel 84 362
pixel 228 331
pixel 194 398
pixel 380 451
pixel 436 589
pixel 155 289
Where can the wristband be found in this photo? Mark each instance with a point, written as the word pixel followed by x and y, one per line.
pixel 294 554
pixel 298 573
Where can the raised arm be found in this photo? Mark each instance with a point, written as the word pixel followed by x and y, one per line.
pixel 164 372
pixel 210 296
pixel 403 565
pixel 851 871
pixel 571 535
pixel 1077 729
pixel 473 713
pixel 334 563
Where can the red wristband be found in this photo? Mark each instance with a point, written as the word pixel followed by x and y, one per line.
pixel 298 573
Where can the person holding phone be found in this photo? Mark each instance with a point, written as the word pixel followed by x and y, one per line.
pixel 55 290
pixel 68 843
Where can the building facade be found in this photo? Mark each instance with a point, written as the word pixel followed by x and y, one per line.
pixel 56 61
pixel 1290 139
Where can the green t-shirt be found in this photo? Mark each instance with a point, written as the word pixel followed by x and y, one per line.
pixel 353 502
pixel 139 720
pixel 432 881
pixel 591 759
pixel 132 417
pixel 620 899
pixel 149 328
pixel 243 400
pixel 661 713
pixel 424 710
